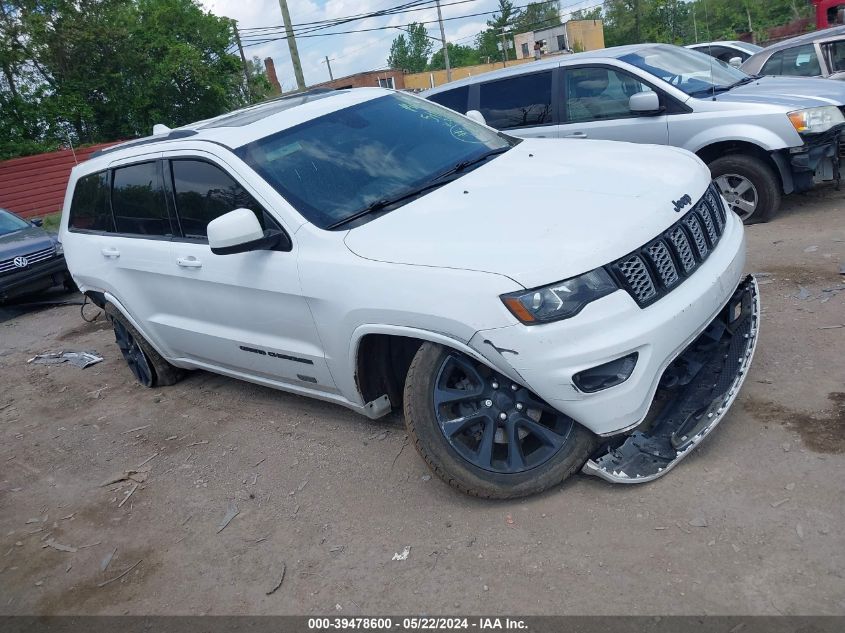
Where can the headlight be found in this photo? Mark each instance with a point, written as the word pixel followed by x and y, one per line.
pixel 815 120
pixel 561 300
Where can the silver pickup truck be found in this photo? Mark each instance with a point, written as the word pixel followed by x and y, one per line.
pixel 762 137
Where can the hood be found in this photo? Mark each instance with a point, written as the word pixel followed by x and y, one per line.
pixel 24 242
pixel 792 92
pixel 545 211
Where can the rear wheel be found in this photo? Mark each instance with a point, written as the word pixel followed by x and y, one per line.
pixel 484 434
pixel 750 186
pixel 146 364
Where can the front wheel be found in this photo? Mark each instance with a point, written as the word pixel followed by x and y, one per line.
pixel 484 434
pixel 750 186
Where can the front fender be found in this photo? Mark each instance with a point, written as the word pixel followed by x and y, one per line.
pixel 763 137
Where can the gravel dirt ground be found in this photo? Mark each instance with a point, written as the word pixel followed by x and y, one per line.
pixel 751 523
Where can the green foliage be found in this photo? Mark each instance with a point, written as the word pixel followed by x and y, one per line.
pixel 458 56
pixel 410 51
pixel 85 71
pixel 488 41
pixel 537 16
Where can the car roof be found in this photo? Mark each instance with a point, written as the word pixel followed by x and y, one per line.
pixel 747 46
pixel 812 36
pixel 245 125
pixel 613 52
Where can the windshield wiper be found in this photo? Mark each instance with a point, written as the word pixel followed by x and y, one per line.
pixel 461 166
pixel 714 89
pixel 437 181
pixel 383 203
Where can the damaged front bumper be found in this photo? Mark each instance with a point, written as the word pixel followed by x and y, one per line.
pixel 695 393
pixel 817 161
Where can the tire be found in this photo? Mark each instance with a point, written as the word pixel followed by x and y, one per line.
pixel 453 459
pixel 146 364
pixel 734 172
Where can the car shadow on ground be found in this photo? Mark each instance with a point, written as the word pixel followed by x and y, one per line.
pixel 37 302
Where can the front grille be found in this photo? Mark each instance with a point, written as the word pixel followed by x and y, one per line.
pixel 8 265
pixel 661 265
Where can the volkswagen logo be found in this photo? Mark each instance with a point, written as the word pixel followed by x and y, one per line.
pixel 21 262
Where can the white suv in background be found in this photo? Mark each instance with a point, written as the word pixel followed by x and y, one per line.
pixel 522 301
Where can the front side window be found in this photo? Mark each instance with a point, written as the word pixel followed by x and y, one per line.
pixel 89 207
pixel 519 101
pixel 596 93
pixel 691 71
pixel 9 223
pixel 799 61
pixel 835 54
pixel 339 165
pixel 453 99
pixel 204 192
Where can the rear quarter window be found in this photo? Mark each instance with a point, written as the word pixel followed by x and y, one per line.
pixel 456 99
pixel 89 207
pixel 520 101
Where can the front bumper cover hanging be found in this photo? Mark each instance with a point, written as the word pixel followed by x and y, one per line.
pixel 701 385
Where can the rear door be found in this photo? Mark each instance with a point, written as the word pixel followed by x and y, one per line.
pixel 241 312
pixel 595 105
pixel 135 258
pixel 521 105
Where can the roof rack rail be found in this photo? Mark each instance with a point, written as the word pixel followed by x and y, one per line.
pixel 172 135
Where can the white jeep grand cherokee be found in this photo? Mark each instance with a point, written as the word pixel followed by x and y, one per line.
pixel 536 306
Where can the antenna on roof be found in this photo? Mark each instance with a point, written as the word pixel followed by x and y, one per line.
pixel 160 128
pixel 73 151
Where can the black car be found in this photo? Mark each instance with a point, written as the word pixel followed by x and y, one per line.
pixel 31 259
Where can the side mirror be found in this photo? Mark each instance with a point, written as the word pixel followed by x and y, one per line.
pixel 38 222
pixel 644 103
pixel 240 232
pixel 736 62
pixel 476 116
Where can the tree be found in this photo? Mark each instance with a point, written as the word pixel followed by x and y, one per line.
pixel 488 41
pixel 410 52
pixel 86 71
pixel 458 56
pixel 259 86
pixel 537 16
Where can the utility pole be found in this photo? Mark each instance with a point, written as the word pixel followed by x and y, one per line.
pixel 504 49
pixel 294 53
pixel 243 59
pixel 328 63
pixel 445 46
pixel 694 25
pixel 750 28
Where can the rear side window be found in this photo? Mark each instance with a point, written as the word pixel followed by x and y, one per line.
pixel 138 201
pixel 204 192
pixel 798 61
pixel 453 99
pixel 89 208
pixel 517 102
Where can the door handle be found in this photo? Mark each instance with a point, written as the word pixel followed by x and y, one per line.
pixel 575 135
pixel 189 262
pixel 111 253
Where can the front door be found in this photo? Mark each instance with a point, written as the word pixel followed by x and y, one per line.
pixel 242 312
pixel 596 106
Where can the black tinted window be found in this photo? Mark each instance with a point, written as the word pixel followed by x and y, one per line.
pixel 138 201
pixel 799 61
pixel 89 208
pixel 204 192
pixel 453 99
pixel 518 102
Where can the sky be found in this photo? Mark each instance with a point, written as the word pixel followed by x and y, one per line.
pixel 356 52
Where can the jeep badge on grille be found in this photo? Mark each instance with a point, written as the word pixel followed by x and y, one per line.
pixel 682 202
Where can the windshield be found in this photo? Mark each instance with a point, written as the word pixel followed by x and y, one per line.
pixel 691 71
pixel 336 166
pixel 9 223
